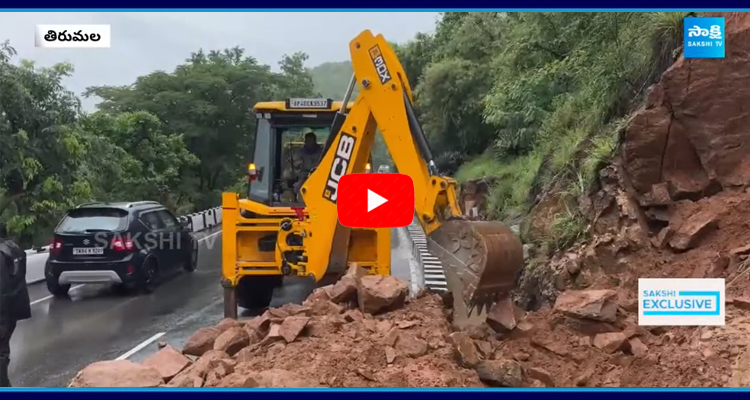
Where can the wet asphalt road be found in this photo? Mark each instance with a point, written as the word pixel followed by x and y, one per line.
pixel 64 335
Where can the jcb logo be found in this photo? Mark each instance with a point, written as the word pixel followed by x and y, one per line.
pixel 341 160
pixel 379 62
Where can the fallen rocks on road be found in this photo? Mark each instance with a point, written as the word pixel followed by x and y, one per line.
pixel 371 337
pixel 201 341
pixel 168 361
pixel 120 373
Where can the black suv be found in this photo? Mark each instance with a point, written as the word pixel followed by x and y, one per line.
pixel 126 244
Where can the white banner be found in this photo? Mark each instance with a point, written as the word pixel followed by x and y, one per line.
pixel 681 302
pixel 73 36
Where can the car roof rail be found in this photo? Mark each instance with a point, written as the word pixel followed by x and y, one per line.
pixel 88 203
pixel 139 203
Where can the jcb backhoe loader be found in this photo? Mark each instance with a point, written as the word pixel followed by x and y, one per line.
pixel 265 239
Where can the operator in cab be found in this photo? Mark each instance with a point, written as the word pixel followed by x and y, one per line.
pixel 307 158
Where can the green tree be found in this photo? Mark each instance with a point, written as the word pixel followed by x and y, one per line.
pixel 209 100
pixel 41 145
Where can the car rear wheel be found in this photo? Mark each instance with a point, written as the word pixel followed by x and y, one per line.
pixel 55 288
pixel 192 263
pixel 149 276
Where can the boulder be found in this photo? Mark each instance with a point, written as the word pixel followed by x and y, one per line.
pixel 232 340
pixel 541 375
pixel 292 327
pixel 217 370
pixel 410 345
pixel 610 342
pixel 201 341
pixel 504 373
pixel 637 347
pixel 168 361
pixel 381 293
pixel 693 229
pixel 227 323
pixel 344 290
pixel 464 349
pixel 502 317
pixel 118 373
pixel 599 305
pixel 319 294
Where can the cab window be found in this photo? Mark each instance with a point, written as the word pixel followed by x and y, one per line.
pixel 260 187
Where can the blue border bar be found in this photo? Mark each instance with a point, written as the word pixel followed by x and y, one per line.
pixel 372 394
pixel 372 5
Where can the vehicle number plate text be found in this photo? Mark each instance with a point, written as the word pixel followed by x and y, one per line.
pixel 80 251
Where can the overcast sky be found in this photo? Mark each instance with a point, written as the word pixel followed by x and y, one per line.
pixel 144 42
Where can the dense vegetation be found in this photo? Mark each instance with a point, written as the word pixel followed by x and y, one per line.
pixel 179 138
pixel 533 100
pixel 529 99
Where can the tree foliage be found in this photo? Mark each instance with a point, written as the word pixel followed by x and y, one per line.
pixel 177 137
pixel 531 99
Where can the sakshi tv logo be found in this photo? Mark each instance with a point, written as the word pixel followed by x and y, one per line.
pixel 704 37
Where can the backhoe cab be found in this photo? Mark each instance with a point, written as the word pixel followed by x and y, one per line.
pixel 280 163
pixel 266 238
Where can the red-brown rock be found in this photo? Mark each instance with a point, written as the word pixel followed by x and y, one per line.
pixel 691 230
pixel 541 375
pixel 237 380
pixel 168 361
pixel 381 293
pixel 319 294
pixel 610 342
pixel 599 305
pixel 118 373
pixel 201 341
pixel 292 327
pixel 344 290
pixel 410 345
pixel 502 317
pixel 506 373
pixel 227 323
pixel 232 340
pixel 464 349
pixel 637 347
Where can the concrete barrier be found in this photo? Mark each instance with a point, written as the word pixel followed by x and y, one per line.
pixel 37 258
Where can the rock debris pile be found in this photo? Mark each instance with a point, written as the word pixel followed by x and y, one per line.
pixel 362 331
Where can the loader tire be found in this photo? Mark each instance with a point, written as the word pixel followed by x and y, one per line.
pixel 254 293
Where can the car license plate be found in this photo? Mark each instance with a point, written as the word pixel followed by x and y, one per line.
pixel 85 251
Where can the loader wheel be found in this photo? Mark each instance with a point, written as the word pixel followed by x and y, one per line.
pixel 254 293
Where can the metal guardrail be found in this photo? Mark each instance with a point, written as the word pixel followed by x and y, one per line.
pixel 200 221
pixel 432 268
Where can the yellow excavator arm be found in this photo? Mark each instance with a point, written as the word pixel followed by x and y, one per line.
pixel 484 256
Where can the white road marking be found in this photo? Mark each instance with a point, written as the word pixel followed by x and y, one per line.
pixel 209 236
pixel 140 346
pixel 50 296
pixel 79 286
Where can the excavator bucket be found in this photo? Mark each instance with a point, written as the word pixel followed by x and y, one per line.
pixel 481 260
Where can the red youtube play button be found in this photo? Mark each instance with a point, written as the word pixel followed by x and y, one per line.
pixel 375 200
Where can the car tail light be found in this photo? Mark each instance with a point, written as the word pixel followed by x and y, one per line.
pixel 252 173
pixel 119 244
pixel 55 246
